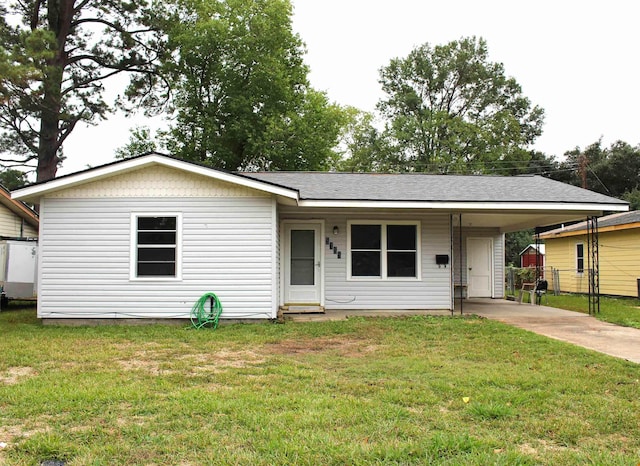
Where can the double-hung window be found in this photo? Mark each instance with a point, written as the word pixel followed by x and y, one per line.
pixel 580 258
pixel 155 245
pixel 384 250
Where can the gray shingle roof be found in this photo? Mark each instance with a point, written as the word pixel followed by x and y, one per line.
pixel 425 188
pixel 621 218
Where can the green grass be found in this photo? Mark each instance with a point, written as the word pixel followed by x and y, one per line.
pixel 621 311
pixel 420 390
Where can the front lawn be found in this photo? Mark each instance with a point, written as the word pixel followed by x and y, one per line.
pixel 621 311
pixel 419 390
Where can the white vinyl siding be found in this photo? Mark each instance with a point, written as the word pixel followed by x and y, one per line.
pixel 431 291
pixel 85 258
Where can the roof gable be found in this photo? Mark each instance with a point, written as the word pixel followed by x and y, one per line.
pixel 123 167
pixel 540 249
pixel 157 181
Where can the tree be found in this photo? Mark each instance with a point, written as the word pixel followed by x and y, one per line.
pixel 619 171
pixel 614 170
pixel 514 244
pixel 633 198
pixel 140 142
pixel 242 98
pixel 12 179
pixel 363 146
pixel 57 59
pixel 449 109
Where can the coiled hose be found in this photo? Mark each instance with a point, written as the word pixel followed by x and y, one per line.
pixel 200 316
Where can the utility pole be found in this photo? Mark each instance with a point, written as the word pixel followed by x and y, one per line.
pixel 582 169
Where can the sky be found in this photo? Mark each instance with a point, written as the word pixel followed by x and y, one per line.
pixel 578 60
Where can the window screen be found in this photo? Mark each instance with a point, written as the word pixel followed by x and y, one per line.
pixel 156 239
pixel 580 258
pixel 384 250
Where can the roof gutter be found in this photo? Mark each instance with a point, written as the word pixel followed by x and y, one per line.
pixel 467 206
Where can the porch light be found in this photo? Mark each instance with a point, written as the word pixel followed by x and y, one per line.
pixel 336 230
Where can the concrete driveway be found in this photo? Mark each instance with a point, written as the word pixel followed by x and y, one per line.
pixel 573 327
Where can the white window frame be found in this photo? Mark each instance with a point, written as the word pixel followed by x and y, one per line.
pixel 578 271
pixel 383 250
pixel 133 254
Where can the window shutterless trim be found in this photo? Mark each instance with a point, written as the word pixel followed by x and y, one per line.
pixel 133 253
pixel 384 251
pixel 579 270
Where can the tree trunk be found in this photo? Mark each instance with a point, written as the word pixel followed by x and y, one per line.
pixel 59 17
pixel 49 130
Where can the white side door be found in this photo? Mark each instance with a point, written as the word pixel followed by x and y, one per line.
pixel 480 267
pixel 302 263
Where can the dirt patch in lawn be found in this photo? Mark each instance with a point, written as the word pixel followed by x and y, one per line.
pixel 221 360
pixel 13 375
pixel 9 434
pixel 167 362
pixel 345 346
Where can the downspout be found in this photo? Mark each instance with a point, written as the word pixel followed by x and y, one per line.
pixel 22 228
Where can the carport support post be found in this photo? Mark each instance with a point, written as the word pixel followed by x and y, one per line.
pixel 460 262
pixel 593 266
pixel 452 272
pixel 538 255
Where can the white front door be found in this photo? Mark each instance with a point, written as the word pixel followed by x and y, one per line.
pixel 479 267
pixel 302 266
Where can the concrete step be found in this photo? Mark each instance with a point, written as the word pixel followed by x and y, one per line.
pixel 302 309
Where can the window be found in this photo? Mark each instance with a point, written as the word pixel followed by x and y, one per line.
pixel 580 258
pixel 383 250
pixel 156 246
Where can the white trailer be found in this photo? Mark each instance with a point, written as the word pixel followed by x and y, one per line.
pixel 18 269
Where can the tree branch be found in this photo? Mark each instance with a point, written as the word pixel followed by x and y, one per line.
pixel 112 25
pixel 80 6
pixel 67 132
pixel 35 15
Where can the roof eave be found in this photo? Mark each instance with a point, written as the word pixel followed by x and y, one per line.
pixel 583 231
pixel 19 208
pixel 468 206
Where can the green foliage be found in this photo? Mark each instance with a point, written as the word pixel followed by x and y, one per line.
pixel 13 179
pixel 522 275
pixel 53 62
pixel 613 170
pixel 365 148
pixel 514 244
pixel 633 198
pixel 242 99
pixel 450 110
pixel 140 142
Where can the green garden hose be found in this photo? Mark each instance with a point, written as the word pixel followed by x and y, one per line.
pixel 200 316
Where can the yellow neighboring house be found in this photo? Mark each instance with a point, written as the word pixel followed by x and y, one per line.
pixel 619 255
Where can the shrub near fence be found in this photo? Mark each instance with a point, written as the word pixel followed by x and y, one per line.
pixel 559 280
pixel 516 276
